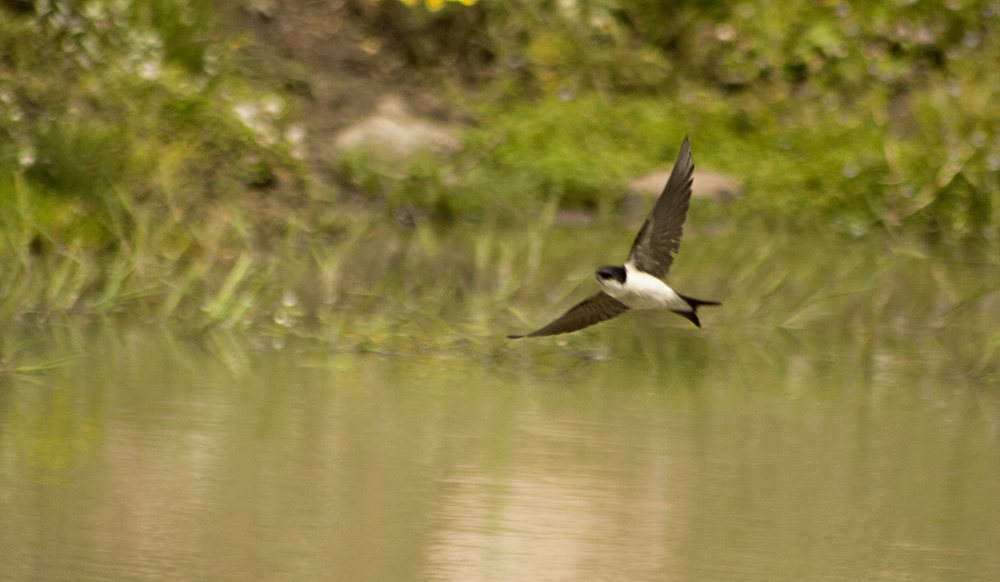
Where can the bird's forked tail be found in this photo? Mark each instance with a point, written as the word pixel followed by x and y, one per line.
pixel 692 315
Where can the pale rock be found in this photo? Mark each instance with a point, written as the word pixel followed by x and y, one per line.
pixel 394 137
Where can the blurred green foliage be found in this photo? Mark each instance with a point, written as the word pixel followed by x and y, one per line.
pixel 101 97
pixel 867 114
pixel 126 139
pixel 141 172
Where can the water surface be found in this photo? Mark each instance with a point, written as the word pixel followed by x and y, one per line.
pixel 151 459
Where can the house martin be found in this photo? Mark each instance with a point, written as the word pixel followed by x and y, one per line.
pixel 638 284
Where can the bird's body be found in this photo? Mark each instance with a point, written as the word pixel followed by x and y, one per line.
pixel 639 284
pixel 643 291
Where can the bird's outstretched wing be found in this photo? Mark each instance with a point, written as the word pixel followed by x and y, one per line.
pixel 594 309
pixel 660 236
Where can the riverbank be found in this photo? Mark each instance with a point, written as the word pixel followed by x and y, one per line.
pixel 176 165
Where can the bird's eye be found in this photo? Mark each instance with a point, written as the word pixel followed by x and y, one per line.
pixel 608 273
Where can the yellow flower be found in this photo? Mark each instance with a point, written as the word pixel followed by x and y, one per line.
pixel 435 5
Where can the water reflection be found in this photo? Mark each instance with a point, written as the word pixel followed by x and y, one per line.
pixel 147 459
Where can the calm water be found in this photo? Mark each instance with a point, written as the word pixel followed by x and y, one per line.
pixel 151 460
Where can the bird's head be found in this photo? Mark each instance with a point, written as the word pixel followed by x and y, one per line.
pixel 610 275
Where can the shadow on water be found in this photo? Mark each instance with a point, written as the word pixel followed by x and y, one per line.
pixel 836 419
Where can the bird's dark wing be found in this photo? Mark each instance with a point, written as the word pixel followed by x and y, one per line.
pixel 594 309
pixel 660 236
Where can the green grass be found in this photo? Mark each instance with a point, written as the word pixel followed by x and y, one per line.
pixel 841 169
pixel 371 286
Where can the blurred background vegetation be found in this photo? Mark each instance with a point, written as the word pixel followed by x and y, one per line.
pixel 172 159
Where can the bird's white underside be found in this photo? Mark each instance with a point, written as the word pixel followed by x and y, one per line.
pixel 643 291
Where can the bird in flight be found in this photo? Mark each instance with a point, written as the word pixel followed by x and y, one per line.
pixel 638 284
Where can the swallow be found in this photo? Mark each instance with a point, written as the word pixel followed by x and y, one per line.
pixel 639 284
